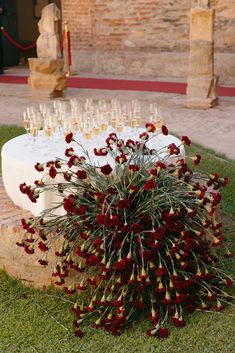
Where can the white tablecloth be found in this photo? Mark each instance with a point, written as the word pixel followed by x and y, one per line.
pixel 20 154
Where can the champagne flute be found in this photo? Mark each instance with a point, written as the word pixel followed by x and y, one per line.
pixel 34 130
pixel 26 122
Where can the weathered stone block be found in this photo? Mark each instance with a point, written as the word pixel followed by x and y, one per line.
pixel 46 66
pixel 46 77
pixel 201 58
pixel 202 90
pixel 201 24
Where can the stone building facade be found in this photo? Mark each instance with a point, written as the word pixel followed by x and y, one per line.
pixel 144 37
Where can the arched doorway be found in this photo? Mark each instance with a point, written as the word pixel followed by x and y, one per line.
pixel 20 22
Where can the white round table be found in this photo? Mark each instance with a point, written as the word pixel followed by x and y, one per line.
pixel 20 154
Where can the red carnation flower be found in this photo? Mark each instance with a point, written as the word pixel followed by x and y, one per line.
pixel 161 271
pixel 164 130
pixel 179 322
pixel 67 176
pixel 144 136
pixel 81 174
pixel 69 152
pixel 101 219
pixel 106 169
pixel 134 168
pixel 229 282
pixel 160 165
pixel 52 172
pixel 78 333
pixel 150 127
pixel 185 140
pixel 163 332
pixel 150 184
pixel 69 204
pixel 125 203
pixel 136 228
pixel 173 149
pixel 121 159
pixel 69 137
pixel 224 181
pixel 42 246
pixel 120 265
pixel 112 191
pixel 101 151
pixel 134 189
pixel 39 167
pixel 43 262
pixel 197 159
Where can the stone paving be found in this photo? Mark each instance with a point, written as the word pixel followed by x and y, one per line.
pixel 214 128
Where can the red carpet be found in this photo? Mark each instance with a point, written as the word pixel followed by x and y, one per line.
pixel 129 85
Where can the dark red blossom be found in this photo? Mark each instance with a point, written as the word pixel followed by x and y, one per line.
pixel 136 228
pixel 69 137
pixel 150 127
pixel 81 174
pixel 133 145
pixel 100 151
pixel 179 322
pixel 224 181
pixel 69 152
pixel 69 204
pixel 144 136
pixel 52 172
pixel 39 167
pixel 161 271
pixel 197 159
pixel 106 169
pixel 121 265
pixel 173 149
pixel 149 185
pixel 67 176
pixel 101 219
pixel 228 282
pixel 121 159
pixel 163 332
pixel 186 140
pixel 42 246
pixel 134 167
pixel 29 250
pixel 78 333
pixel 123 203
pixel 43 262
pixel 164 130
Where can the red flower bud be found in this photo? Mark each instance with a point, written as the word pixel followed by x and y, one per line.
pixel 69 137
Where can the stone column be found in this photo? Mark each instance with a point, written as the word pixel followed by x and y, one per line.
pixel 47 78
pixel 202 90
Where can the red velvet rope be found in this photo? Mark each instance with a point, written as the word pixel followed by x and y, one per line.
pixel 17 45
pixel 69 49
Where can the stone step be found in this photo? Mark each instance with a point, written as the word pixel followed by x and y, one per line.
pixel 13 259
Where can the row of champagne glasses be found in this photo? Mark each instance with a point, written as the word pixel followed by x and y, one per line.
pixel 87 118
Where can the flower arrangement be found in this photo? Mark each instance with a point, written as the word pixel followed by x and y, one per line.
pixel 142 236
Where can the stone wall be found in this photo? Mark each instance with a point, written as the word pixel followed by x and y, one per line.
pixel 133 36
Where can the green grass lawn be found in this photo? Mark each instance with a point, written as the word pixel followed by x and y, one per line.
pixel 34 321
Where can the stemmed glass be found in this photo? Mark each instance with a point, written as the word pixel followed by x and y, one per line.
pixel 34 131
pixel 26 122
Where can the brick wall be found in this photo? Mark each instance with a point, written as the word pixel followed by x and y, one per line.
pixel 138 27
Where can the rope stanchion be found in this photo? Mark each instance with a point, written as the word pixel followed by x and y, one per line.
pixel 17 45
pixel 68 49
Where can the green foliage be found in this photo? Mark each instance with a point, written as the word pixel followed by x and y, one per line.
pixel 8 132
pixel 31 321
